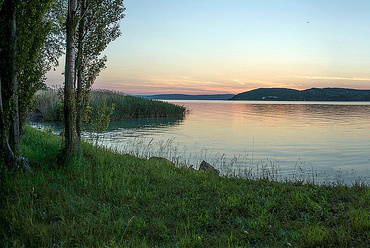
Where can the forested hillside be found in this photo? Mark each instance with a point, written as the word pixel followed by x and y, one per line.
pixel 313 94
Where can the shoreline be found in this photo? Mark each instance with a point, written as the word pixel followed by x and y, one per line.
pixel 110 199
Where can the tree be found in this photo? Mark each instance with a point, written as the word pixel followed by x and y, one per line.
pixel 80 98
pixel 7 155
pixel 12 57
pixel 91 26
pixel 41 40
pixel 99 25
pixel 69 88
pixel 9 120
pixel 24 28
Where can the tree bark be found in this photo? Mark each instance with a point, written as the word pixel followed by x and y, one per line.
pixel 80 104
pixel 69 85
pixel 6 152
pixel 14 129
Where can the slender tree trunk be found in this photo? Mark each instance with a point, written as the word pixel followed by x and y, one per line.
pixel 69 86
pixel 14 129
pixel 6 152
pixel 79 66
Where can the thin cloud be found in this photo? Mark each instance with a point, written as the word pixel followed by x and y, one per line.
pixel 328 78
pixel 238 81
pixel 248 84
pixel 170 84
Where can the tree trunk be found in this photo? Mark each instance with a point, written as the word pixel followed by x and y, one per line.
pixel 14 129
pixel 79 67
pixel 69 86
pixel 6 152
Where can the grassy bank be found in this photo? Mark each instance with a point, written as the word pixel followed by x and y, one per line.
pixel 125 106
pixel 113 200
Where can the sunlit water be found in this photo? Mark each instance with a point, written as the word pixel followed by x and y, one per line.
pixel 315 141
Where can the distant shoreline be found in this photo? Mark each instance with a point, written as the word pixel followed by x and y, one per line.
pixel 189 97
pixel 313 94
pixel 277 94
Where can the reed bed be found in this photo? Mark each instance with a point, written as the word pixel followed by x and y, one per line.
pixel 49 104
pixel 125 106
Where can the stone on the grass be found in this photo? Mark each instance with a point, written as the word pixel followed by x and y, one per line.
pixel 204 166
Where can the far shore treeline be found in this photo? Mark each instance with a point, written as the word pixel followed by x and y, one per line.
pixel 277 94
pixel 313 94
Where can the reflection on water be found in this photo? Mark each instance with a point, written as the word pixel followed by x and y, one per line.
pixel 129 126
pixel 54 127
pixel 328 141
pixel 120 132
pixel 320 140
pixel 144 123
pixel 309 112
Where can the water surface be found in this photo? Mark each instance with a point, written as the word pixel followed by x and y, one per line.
pixel 328 140
pixel 322 141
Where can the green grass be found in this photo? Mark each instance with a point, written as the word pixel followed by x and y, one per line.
pixel 125 106
pixel 106 199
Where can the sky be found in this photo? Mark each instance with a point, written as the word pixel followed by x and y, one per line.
pixel 216 47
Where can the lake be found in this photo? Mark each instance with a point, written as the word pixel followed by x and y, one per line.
pixel 323 142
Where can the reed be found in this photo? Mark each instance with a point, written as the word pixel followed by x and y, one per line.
pixel 126 106
pixel 239 166
pixel 49 104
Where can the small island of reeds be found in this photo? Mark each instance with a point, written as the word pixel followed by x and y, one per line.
pixel 49 105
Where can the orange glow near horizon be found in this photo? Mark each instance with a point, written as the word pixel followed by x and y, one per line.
pixel 141 84
pixel 236 46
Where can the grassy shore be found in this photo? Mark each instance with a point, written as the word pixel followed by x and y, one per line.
pixel 107 199
pixel 125 106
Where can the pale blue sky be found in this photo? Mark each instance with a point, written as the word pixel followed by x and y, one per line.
pixel 202 46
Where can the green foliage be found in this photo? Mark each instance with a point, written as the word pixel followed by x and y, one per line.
pixel 25 57
pixel 98 26
pixel 38 48
pixel 99 121
pixel 109 199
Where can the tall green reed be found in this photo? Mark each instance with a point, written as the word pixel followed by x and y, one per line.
pixel 126 106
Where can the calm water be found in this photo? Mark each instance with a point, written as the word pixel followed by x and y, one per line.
pixel 326 142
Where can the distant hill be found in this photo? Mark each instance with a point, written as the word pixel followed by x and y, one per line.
pixel 190 97
pixel 314 94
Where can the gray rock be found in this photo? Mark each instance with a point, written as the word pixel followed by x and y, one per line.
pixel 204 166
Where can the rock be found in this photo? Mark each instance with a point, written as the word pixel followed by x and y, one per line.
pixel 160 159
pixel 204 166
